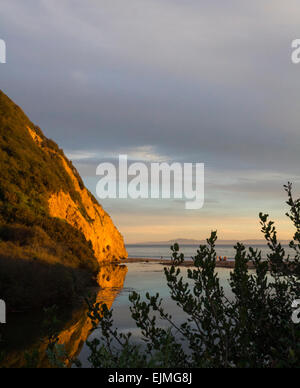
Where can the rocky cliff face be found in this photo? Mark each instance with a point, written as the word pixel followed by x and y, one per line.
pixel 40 187
pixel 106 240
pixel 94 222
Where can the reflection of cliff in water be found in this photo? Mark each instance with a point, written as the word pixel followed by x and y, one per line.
pixel 23 332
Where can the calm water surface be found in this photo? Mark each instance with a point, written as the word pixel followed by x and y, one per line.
pixel 143 278
pixel 23 331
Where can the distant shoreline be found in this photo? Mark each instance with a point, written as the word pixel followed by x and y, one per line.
pixel 219 264
pixel 191 243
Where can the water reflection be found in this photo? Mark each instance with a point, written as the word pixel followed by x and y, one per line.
pixel 22 334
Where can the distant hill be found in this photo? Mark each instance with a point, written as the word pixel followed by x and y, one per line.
pixel 184 241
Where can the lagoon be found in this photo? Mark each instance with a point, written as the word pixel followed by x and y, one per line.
pixel 143 278
pixel 23 331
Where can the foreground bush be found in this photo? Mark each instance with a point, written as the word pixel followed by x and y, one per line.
pixel 254 329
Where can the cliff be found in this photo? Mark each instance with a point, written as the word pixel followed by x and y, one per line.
pixel 94 222
pixel 40 187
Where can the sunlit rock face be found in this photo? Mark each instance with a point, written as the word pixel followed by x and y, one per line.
pixel 93 222
pixel 40 186
pixel 77 329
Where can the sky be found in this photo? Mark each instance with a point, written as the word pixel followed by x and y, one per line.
pixel 202 81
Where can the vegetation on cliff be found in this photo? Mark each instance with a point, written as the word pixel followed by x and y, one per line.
pixel 59 251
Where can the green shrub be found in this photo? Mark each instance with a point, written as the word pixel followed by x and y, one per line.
pixel 253 330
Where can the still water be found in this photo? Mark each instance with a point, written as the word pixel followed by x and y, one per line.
pixel 23 334
pixel 143 278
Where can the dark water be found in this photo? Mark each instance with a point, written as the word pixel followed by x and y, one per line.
pixel 117 282
pixel 24 333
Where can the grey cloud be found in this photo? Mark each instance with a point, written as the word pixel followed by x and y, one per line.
pixel 195 80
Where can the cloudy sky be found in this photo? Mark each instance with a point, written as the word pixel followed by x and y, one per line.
pixel 176 80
